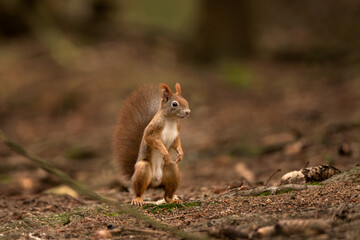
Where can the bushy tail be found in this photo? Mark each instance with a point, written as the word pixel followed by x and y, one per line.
pixel 136 113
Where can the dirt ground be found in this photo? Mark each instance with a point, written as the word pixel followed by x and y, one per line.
pixel 247 128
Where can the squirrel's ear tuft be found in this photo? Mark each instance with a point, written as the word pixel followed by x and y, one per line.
pixel 178 88
pixel 166 92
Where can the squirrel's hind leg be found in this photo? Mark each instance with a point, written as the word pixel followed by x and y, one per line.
pixel 141 180
pixel 170 182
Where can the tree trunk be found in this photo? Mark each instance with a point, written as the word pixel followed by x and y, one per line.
pixel 224 30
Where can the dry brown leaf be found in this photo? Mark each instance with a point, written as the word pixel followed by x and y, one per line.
pixel 63 190
pixel 242 170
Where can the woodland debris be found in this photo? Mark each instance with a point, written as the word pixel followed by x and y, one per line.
pixel 267 231
pixel 305 227
pixel 351 175
pixel 264 189
pixel 119 231
pixel 310 174
pixel 302 227
pixel 233 233
pixel 242 170
pixel 63 190
pixel 81 189
pixel 271 176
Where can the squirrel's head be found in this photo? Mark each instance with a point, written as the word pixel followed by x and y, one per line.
pixel 173 104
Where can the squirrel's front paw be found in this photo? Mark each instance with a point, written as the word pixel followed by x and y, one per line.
pixel 137 201
pixel 179 157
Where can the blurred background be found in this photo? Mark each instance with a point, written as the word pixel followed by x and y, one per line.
pixel 271 85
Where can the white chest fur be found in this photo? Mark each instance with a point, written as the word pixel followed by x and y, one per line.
pixel 168 136
pixel 169 133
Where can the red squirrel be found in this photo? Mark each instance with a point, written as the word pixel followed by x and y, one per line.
pixel 147 133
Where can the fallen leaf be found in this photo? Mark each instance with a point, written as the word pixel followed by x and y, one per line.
pixel 62 190
pixel 243 171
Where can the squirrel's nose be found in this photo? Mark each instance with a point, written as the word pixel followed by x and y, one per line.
pixel 187 112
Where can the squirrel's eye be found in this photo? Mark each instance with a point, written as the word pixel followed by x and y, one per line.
pixel 174 104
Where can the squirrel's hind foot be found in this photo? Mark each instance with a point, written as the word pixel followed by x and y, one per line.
pixel 171 200
pixel 137 201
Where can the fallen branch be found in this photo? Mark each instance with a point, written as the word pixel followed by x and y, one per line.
pixel 129 229
pixel 271 190
pixel 286 228
pixel 81 189
pixel 305 227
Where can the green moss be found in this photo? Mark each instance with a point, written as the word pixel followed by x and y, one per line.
pixel 285 191
pixel 315 184
pixel 167 207
pixel 267 193
pixel 113 214
pixel 65 218
pixel 191 204
pixel 56 220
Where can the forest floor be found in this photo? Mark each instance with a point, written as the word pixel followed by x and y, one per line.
pixel 251 123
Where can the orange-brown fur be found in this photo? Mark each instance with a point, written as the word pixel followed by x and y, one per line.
pixel 140 135
pixel 136 113
pixel 170 181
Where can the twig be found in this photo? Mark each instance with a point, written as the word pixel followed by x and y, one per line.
pixel 123 229
pixel 81 189
pixel 272 190
pixel 306 164
pixel 227 192
pixel 175 217
pixel 338 211
pixel 272 175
